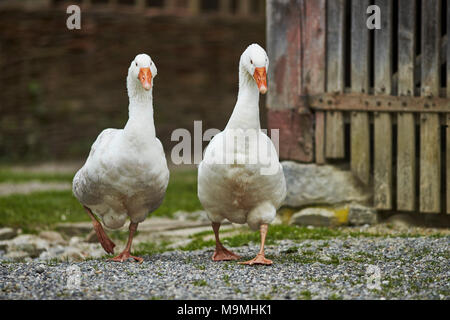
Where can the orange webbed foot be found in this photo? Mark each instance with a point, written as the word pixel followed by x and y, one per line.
pixel 222 254
pixel 259 259
pixel 124 256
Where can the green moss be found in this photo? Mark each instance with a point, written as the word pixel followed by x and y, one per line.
pixel 293 249
pixel 200 283
pixel 265 296
pixel 335 296
pixel 305 295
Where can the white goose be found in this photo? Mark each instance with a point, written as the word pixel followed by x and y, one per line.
pixel 126 173
pixel 241 190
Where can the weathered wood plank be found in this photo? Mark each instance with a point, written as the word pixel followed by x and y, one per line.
pixel 320 137
pixel 334 134
pixel 295 132
pixel 224 7
pixel 244 7
pixel 283 48
pixel 140 4
pixel 406 133
pixel 312 24
pixel 360 133
pixel 313 35
pixel 430 140
pixel 170 5
pixel 418 62
pixel 194 7
pixel 448 163
pixel 448 115
pixel 284 74
pixel 382 121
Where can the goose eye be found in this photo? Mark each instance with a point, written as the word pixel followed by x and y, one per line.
pixel 136 64
pixel 251 61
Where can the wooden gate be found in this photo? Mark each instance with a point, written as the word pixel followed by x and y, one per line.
pixel 375 99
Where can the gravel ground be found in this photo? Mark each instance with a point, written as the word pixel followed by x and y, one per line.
pixel 408 268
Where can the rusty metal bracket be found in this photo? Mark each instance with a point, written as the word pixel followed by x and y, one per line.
pixel 376 103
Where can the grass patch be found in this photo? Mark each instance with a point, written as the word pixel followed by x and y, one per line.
pixel 200 283
pixel 150 248
pixel 226 279
pixel 305 295
pixel 276 232
pixel 43 209
pixel 335 296
pixel 197 244
pixel 284 232
pixel 40 209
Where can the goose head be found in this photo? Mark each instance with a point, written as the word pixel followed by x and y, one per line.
pixel 141 73
pixel 255 62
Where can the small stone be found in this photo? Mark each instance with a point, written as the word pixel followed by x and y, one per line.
pixel 72 254
pixel 277 220
pixel 361 215
pixel 74 229
pixel 52 236
pixel 31 244
pixel 17 255
pixel 314 217
pixel 7 233
pixel 40 268
pixel 3 246
pixel 402 221
pixel 311 184
pixel 74 240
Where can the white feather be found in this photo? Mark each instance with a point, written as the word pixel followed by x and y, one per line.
pixel 126 172
pixel 239 191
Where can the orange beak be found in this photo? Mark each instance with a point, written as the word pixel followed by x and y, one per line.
pixel 145 76
pixel 260 77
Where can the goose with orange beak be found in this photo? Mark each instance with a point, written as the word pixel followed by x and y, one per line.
pixel 125 175
pixel 250 188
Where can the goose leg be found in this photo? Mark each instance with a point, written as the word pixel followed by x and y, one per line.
pixel 126 254
pixel 260 259
pixel 221 253
pixel 102 237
